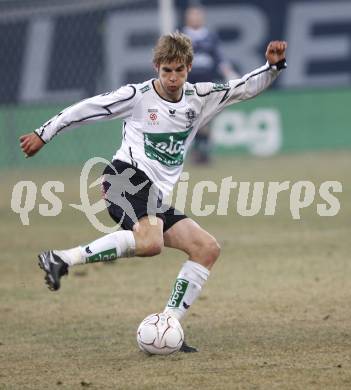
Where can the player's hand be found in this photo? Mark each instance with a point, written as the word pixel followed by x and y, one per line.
pixel 30 144
pixel 276 51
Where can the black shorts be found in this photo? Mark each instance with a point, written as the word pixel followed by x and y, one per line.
pixel 131 195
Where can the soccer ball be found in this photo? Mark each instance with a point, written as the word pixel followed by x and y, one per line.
pixel 160 334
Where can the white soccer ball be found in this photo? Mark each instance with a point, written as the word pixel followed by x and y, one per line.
pixel 160 334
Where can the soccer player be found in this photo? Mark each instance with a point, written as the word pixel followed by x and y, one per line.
pixel 209 64
pixel 161 117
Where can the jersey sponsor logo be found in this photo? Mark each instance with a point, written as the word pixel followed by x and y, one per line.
pixel 167 148
pixel 178 292
pixel 189 92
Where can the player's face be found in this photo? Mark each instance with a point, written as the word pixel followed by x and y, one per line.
pixel 171 78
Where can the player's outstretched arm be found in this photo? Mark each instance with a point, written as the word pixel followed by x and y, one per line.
pixel 248 86
pixel 31 144
pixel 110 105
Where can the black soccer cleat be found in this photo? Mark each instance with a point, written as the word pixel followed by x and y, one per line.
pixel 54 267
pixel 187 348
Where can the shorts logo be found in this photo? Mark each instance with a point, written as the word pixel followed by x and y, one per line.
pixel 178 293
pixel 167 148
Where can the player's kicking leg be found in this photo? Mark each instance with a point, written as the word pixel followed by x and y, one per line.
pixel 54 268
pixel 146 239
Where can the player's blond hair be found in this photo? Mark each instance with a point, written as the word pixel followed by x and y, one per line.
pixel 173 47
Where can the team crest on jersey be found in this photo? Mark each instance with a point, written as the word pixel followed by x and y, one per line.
pixel 190 115
pixel 167 148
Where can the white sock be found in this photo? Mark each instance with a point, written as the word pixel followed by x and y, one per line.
pixel 110 247
pixel 187 288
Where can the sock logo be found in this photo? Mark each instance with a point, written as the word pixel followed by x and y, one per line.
pixel 87 249
pixel 109 255
pixel 178 292
pixel 186 306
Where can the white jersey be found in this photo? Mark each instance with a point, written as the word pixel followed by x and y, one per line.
pixel 156 132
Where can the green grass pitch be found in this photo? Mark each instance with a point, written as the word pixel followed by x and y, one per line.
pixel 275 313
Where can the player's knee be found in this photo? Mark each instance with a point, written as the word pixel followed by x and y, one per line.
pixel 206 252
pixel 153 247
pixel 213 250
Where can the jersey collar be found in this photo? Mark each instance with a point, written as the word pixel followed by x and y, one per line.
pixel 166 100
